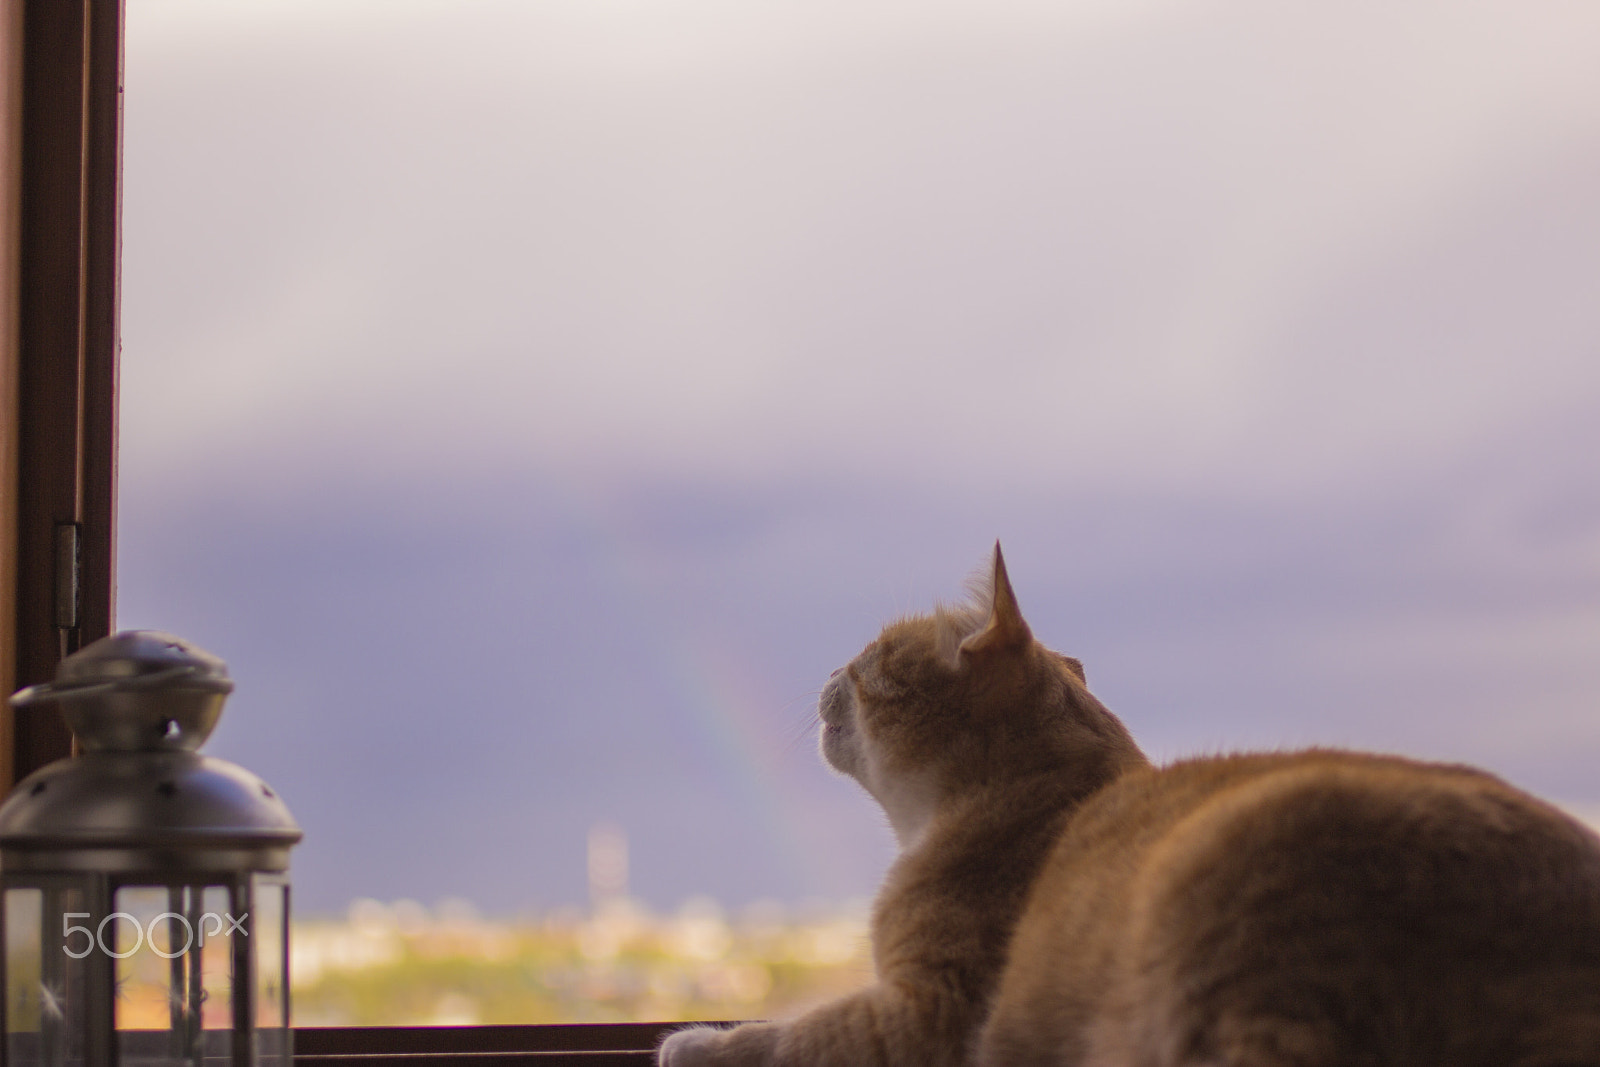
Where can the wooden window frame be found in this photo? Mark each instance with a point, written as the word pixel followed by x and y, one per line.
pixel 568 1045
pixel 62 182
pixel 61 67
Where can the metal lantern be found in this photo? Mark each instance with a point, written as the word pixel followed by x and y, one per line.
pixel 146 912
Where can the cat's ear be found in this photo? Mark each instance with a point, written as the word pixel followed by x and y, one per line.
pixel 1006 629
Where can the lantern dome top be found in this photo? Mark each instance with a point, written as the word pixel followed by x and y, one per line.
pixel 137 691
pixel 106 810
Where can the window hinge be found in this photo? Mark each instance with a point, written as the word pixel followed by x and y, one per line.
pixel 67 543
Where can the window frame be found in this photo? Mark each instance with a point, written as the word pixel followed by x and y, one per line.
pixel 61 255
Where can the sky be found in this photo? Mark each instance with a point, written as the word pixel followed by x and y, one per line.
pixel 534 402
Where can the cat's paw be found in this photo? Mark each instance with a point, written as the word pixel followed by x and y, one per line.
pixel 691 1047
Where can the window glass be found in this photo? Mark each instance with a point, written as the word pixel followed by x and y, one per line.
pixel 174 952
pixel 269 898
pixel 45 976
pixel 534 402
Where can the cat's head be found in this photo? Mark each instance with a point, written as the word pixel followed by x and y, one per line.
pixel 959 700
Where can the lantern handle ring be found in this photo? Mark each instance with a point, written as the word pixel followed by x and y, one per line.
pixel 49 691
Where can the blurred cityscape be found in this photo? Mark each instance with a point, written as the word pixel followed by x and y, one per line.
pixel 402 964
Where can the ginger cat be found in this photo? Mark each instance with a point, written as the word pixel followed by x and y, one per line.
pixel 1057 900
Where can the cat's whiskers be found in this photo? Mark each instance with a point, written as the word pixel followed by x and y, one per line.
pixel 801 733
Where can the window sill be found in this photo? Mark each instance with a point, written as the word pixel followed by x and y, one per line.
pixel 564 1045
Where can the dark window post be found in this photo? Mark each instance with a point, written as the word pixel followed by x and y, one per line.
pixel 64 367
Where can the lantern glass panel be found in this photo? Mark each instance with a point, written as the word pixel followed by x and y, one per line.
pixel 174 970
pixel 269 928
pixel 45 975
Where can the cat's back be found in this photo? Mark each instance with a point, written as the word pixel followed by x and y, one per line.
pixel 1307 908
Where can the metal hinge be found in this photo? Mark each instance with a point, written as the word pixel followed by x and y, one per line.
pixel 68 539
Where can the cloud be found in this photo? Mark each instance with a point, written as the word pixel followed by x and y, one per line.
pixel 1133 255
pixel 490 668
